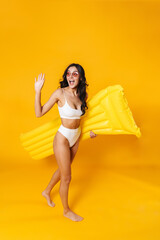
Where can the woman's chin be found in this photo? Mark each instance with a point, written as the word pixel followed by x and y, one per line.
pixel 73 86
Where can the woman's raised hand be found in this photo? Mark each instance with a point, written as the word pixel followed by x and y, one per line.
pixel 92 134
pixel 39 83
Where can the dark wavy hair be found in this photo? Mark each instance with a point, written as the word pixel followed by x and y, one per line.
pixel 81 88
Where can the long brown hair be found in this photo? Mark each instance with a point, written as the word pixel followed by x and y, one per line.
pixel 81 88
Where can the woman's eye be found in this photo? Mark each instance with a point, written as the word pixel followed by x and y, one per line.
pixel 75 74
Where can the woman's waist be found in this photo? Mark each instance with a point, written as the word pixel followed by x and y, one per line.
pixel 70 123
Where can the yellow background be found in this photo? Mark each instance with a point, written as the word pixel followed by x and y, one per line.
pixel 115 178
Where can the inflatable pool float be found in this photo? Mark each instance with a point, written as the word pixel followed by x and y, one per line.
pixel 108 113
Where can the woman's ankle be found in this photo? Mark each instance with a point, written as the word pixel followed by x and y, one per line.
pixel 65 210
pixel 46 192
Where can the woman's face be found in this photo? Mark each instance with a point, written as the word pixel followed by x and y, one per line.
pixel 72 77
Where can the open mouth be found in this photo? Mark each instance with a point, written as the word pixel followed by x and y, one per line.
pixel 71 82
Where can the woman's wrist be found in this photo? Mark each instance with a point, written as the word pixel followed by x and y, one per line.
pixel 38 92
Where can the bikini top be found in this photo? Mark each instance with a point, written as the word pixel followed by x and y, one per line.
pixel 67 112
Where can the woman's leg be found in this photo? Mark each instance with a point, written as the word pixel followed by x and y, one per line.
pixel 46 193
pixel 56 176
pixel 63 155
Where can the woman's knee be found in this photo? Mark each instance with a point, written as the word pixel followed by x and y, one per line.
pixel 66 179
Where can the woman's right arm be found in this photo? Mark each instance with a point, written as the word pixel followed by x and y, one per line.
pixel 41 110
pixel 38 108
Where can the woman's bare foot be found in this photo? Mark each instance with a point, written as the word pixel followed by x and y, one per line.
pixel 71 215
pixel 47 196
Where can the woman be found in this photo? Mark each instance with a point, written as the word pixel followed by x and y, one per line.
pixel 71 99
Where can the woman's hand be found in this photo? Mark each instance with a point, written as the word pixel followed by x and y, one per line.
pixel 92 134
pixel 39 83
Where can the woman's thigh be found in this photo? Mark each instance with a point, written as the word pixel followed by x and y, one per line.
pixel 74 149
pixel 62 154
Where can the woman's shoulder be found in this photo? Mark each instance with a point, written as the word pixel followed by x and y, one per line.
pixel 59 92
pixel 62 88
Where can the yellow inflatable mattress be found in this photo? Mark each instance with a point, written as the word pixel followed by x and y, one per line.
pixel 108 113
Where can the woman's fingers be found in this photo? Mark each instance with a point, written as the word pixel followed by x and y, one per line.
pixel 41 77
pixel 39 82
pixel 92 134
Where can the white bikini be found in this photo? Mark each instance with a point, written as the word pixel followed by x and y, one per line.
pixel 70 113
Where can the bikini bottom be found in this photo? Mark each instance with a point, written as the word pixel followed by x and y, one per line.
pixel 71 134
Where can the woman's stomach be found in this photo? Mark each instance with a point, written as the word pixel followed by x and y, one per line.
pixel 70 123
